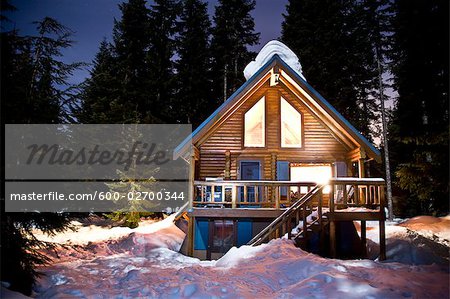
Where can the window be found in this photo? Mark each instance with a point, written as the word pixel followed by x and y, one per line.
pixel 254 128
pixel 318 173
pixel 291 125
pixel 223 236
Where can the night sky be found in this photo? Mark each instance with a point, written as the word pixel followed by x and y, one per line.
pixel 92 20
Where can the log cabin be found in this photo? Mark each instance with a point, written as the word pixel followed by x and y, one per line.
pixel 277 160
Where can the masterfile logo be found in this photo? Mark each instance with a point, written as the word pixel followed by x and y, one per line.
pixel 94 168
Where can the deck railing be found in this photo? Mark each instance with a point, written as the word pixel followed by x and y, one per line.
pixel 254 194
pixel 356 192
pixel 344 192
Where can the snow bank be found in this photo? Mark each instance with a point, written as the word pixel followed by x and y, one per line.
pixel 235 255
pixel 146 265
pixel 430 226
pixel 8 294
pixel 271 48
pixel 147 241
pixel 94 233
pixel 274 270
pixel 405 245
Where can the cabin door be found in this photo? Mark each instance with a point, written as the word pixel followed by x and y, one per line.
pixel 249 170
pixel 222 234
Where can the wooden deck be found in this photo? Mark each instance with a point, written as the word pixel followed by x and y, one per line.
pixel 290 203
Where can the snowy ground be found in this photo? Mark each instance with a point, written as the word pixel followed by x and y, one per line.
pixel 144 263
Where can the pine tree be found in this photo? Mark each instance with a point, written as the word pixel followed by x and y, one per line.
pixel 162 30
pixel 132 80
pixel 119 87
pixel 131 45
pixel 193 63
pixel 332 42
pixel 5 6
pixel 377 17
pixel 34 89
pixel 420 126
pixel 232 33
pixel 38 88
pixel 101 91
pixel 129 212
pixel 16 74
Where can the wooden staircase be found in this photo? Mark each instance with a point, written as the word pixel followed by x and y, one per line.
pixel 315 236
pixel 324 233
pixel 299 215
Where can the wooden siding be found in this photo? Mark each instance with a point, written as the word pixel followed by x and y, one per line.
pixel 319 144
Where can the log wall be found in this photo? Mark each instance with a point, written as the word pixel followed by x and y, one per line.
pixel 319 144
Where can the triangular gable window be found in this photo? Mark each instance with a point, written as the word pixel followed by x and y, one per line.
pixel 254 126
pixel 291 125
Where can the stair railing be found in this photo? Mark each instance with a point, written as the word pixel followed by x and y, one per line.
pixel 283 222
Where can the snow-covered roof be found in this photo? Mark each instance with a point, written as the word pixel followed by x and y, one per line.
pixel 272 48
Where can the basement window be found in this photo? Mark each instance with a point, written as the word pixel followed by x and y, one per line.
pixel 254 127
pixel 291 125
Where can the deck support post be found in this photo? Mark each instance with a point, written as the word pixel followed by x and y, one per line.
pixel 191 180
pixel 289 228
pixel 190 236
pixel 382 241
pixel 319 208
pixel 333 239
pixel 363 238
pixel 331 200
pixel 305 224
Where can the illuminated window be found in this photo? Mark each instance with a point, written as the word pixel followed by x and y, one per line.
pixel 291 125
pixel 254 125
pixel 317 173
